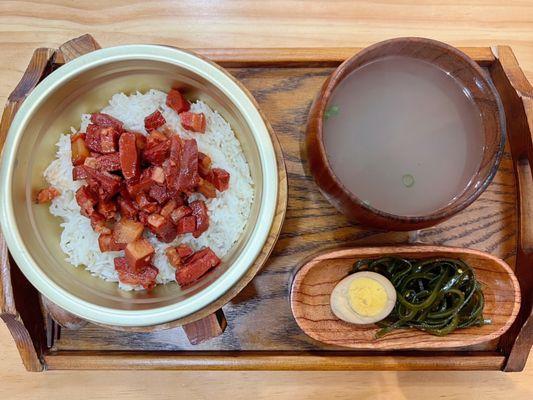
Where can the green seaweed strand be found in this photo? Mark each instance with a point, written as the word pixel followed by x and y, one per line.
pixel 435 295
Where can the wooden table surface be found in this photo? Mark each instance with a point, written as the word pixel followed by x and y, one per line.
pixel 25 25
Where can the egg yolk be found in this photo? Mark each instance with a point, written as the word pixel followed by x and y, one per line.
pixel 367 297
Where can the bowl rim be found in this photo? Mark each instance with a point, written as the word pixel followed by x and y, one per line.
pixel 246 105
pixel 415 221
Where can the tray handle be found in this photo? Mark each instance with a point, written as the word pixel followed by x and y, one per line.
pixel 517 95
pixel 206 328
pixel 74 48
pixel 27 328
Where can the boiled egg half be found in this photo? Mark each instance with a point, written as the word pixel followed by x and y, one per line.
pixel 363 298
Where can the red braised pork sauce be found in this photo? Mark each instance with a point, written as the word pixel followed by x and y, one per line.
pixel 137 182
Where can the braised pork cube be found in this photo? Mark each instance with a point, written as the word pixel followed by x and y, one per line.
pixel 47 195
pixel 171 173
pixel 139 253
pixel 78 173
pixel 107 162
pixel 108 141
pixel 106 184
pixel 167 131
pixel 106 243
pixel 199 212
pixel 146 277
pixel 76 136
pixel 106 120
pixel 94 186
pixel 188 177
pixel 207 188
pixel 79 149
pixel 107 208
pixel 171 165
pixel 173 257
pixel 162 227
pixel 159 193
pixel 176 145
pixel 158 175
pixel 101 139
pixel 186 225
pixel 91 161
pixel 177 102
pixel 140 184
pixel 184 251
pixel 199 263
pixel 193 122
pixel 204 164
pixel 125 274
pixel 168 207
pixel 178 255
pixel 140 140
pixel 156 152
pixel 98 223
pixel 144 203
pixel 220 178
pixel 127 208
pixel 129 156
pixel 87 200
pixel 143 217
pixel 154 121
pixel 155 137
pixel 127 230
pixel 180 212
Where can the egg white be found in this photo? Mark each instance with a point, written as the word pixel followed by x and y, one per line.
pixel 342 309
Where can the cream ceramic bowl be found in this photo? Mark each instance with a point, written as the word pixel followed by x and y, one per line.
pixel 84 85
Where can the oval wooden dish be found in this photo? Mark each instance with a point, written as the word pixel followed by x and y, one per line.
pixel 315 279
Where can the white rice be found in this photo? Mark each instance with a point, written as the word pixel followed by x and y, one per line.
pixel 228 212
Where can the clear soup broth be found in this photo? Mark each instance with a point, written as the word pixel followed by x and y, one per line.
pixel 403 136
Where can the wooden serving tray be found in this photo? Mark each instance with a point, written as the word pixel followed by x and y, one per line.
pixel 261 332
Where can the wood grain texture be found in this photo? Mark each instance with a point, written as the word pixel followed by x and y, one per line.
pixel 315 280
pixel 276 362
pixel 76 47
pixel 308 57
pixel 17 384
pixel 62 317
pixel 26 326
pixel 517 96
pixel 206 328
pixel 34 72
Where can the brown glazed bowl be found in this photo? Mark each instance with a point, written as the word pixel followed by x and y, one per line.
pixel 469 74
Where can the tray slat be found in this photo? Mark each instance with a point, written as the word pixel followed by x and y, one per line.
pixel 308 57
pixel 274 361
